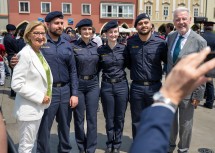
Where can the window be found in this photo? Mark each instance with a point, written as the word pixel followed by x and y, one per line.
pixel 45 7
pixel 86 9
pixel 66 8
pixel 165 11
pixel 149 10
pixel 24 7
pixel 117 10
pixel 196 12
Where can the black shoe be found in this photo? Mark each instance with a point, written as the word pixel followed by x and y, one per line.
pixel 208 106
pixel 115 150
pixel 108 150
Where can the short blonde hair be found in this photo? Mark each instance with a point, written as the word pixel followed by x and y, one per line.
pixel 30 27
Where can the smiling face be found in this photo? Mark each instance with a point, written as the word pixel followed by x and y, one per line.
pixel 144 27
pixel 86 32
pixel 182 22
pixel 55 27
pixel 37 37
pixel 112 34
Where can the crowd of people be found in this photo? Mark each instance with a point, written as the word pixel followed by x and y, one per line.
pixel 66 66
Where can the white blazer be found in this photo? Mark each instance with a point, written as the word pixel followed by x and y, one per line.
pixel 30 84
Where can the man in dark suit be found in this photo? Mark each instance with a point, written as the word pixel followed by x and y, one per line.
pixel 209 36
pixel 153 132
pixel 181 43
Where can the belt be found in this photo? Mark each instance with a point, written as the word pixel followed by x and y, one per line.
pixel 86 77
pixel 146 83
pixel 113 80
pixel 59 84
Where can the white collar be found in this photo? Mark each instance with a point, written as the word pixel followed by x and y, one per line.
pixel 186 34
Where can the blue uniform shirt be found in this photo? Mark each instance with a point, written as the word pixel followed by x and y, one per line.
pixel 86 57
pixel 112 61
pixel 61 60
pixel 144 58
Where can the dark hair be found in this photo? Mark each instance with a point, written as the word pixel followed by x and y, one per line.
pixel 93 30
pixel 170 26
pixel 67 29
pixel 153 25
pixel 21 32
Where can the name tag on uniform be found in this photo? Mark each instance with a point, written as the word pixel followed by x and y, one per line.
pixel 77 49
pixel 135 46
pixel 45 47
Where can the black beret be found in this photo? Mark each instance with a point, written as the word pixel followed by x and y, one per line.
pixel 10 27
pixel 53 15
pixel 140 17
pixel 111 24
pixel 84 22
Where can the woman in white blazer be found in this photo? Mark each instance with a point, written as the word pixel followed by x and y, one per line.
pixel 32 81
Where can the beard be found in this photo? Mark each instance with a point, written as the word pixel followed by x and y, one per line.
pixel 143 33
pixel 56 33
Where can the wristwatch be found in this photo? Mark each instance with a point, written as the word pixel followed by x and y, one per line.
pixel 159 98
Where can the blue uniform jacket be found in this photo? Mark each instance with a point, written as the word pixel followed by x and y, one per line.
pixel 144 59
pixel 10 45
pixel 86 57
pixel 154 130
pixel 112 62
pixel 60 58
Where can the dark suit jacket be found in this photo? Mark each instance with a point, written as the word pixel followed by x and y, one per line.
pixel 194 43
pixel 153 133
pixel 210 38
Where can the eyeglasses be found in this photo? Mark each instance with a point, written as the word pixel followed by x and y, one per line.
pixel 39 33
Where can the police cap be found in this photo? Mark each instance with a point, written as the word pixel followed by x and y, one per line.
pixel 111 24
pixel 141 17
pixel 10 27
pixel 84 22
pixel 52 15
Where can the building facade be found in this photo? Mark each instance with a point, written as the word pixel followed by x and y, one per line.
pixel 3 14
pixel 210 11
pixel 100 11
pixel 161 11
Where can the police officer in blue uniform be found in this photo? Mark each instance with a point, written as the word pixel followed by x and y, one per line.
pixel 209 36
pixel 144 55
pixel 11 47
pixel 114 86
pixel 87 58
pixel 59 55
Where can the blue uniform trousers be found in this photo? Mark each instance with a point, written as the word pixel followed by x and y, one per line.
pixel 60 109
pixel 141 96
pixel 88 98
pixel 114 97
pixel 209 93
